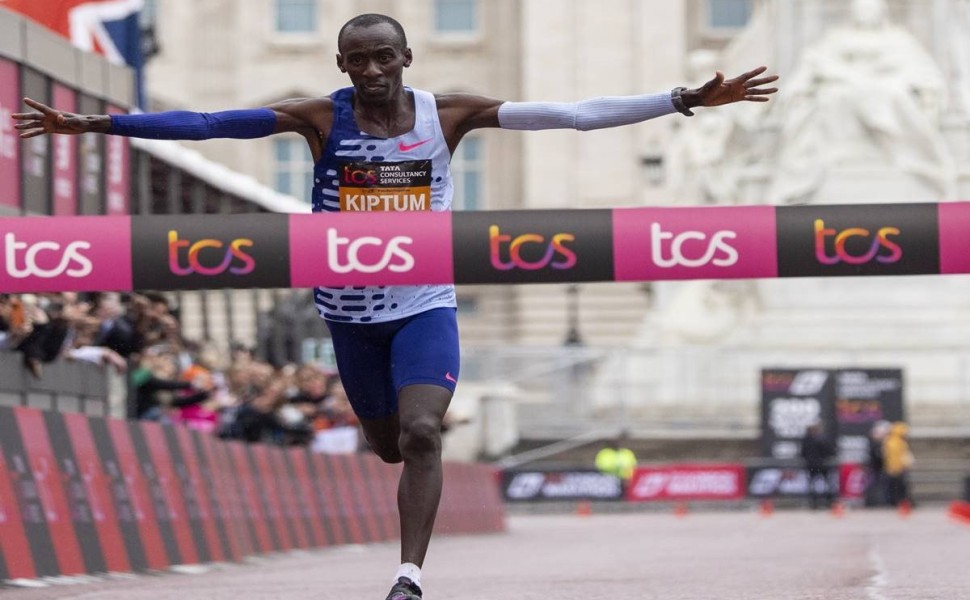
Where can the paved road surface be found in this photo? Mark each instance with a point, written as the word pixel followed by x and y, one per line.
pixel 655 556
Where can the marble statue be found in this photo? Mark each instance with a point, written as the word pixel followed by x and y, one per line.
pixel 866 95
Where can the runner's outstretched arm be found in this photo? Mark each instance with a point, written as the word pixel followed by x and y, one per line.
pixel 173 125
pixel 473 112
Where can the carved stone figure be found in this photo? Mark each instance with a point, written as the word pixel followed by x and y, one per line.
pixel 867 95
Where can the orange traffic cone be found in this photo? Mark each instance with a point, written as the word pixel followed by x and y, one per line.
pixel 680 510
pixel 905 508
pixel 767 508
pixel 584 508
pixel 838 511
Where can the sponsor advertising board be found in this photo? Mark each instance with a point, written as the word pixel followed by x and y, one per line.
pixel 535 486
pixel 687 482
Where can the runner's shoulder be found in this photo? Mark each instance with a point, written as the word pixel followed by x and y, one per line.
pixel 311 113
pixel 304 106
pixel 464 101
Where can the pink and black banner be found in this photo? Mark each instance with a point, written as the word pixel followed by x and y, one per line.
pixel 500 247
pixel 80 494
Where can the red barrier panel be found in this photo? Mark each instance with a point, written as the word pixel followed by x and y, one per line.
pixel 119 493
pixel 97 482
pixel 309 505
pixel 47 477
pixel 333 517
pixel 240 537
pixel 286 486
pixel 336 476
pixel 193 483
pixel 382 480
pixel 165 512
pixel 139 495
pixel 80 494
pixel 255 515
pixel 80 509
pixel 14 547
pixel 269 492
pixel 363 503
pixel 168 484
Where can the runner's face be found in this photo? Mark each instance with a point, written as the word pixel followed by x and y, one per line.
pixel 374 59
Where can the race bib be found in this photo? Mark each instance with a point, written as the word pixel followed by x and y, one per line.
pixel 385 186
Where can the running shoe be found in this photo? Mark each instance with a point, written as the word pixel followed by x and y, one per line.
pixel 404 589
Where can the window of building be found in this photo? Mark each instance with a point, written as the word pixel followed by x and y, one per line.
pixel 467 170
pixel 296 16
pixel 293 167
pixel 728 14
pixel 456 16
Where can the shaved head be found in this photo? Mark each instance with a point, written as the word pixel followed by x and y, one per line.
pixel 369 20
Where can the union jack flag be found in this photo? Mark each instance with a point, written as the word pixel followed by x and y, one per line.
pixel 107 27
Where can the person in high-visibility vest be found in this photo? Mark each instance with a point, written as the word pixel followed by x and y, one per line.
pixel 617 459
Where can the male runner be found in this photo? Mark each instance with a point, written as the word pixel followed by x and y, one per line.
pixel 396 346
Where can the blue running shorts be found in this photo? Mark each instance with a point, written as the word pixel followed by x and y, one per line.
pixel 376 360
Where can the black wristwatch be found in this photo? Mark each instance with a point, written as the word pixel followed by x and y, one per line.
pixel 675 96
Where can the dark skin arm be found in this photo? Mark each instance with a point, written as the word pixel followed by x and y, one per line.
pixel 458 113
pixel 310 117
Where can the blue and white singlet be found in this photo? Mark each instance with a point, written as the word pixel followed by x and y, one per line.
pixel 361 172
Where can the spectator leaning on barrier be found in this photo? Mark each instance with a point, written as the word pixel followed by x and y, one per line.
pixel 157 374
pixel 116 331
pixel 617 459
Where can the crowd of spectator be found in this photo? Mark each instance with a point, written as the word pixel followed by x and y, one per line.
pixel 174 380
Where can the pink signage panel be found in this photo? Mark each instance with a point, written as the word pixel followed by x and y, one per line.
pixel 117 159
pixel 735 242
pixel 399 248
pixel 954 221
pixel 65 157
pixel 45 254
pixel 9 142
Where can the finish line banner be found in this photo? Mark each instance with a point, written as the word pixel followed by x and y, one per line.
pixel 494 247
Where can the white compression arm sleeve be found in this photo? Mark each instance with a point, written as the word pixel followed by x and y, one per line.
pixel 595 113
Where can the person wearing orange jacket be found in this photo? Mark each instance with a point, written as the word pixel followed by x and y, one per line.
pixel 897 461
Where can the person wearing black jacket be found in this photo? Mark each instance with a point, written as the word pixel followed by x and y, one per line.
pixel 816 452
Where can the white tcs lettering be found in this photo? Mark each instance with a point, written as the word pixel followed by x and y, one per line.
pixel 394 249
pixel 717 244
pixel 82 266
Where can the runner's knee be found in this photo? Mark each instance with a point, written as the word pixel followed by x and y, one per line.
pixel 421 437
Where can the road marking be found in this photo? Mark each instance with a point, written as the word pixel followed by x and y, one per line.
pixel 880 576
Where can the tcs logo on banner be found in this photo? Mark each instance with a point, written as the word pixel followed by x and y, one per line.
pixel 556 255
pixel 219 257
pixel 691 249
pixel 46 259
pixel 368 254
pixel 840 240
